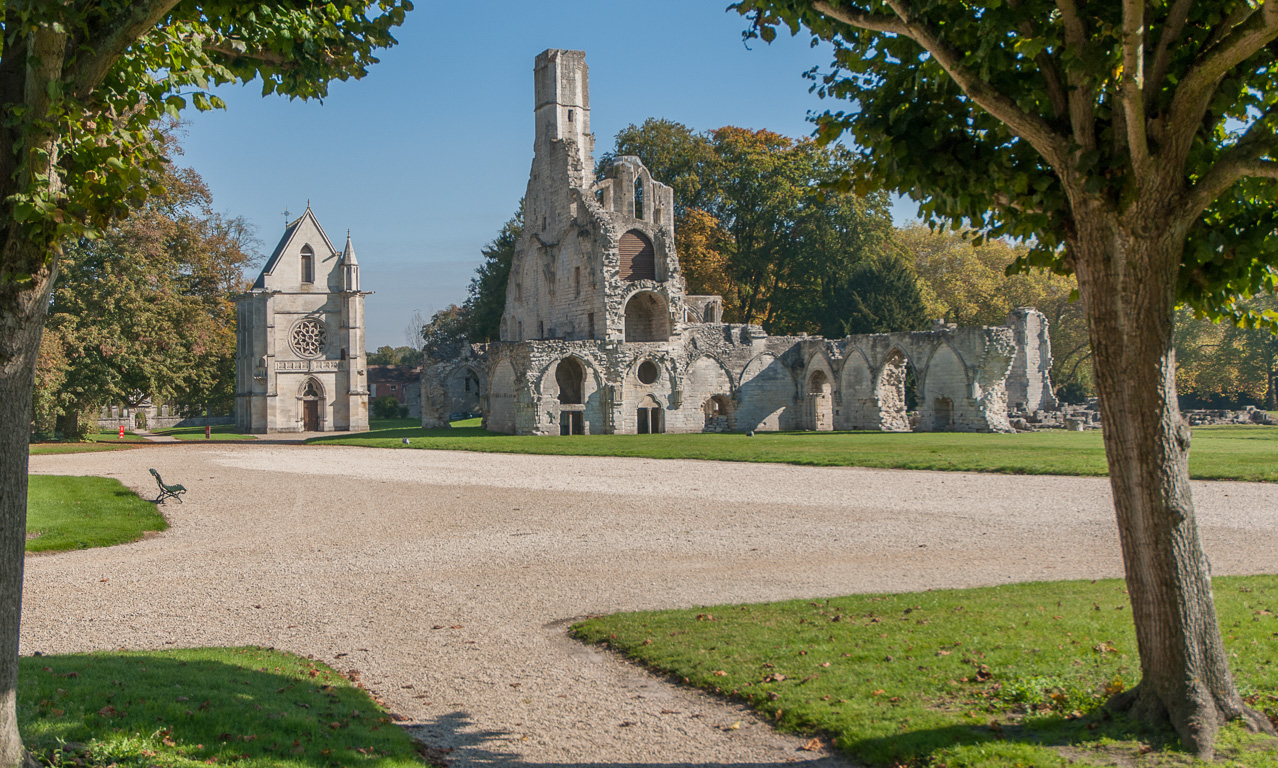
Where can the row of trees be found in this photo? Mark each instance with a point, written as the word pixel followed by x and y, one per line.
pixel 146 311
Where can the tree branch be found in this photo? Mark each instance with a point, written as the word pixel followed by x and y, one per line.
pixel 1033 129
pixel 104 47
pixel 1081 92
pixel 1046 65
pixel 1195 89
pixel 1162 52
pixel 1244 159
pixel 1131 89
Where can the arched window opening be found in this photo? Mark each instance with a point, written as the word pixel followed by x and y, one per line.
pixel 472 382
pixel 648 372
pixel 638 197
pixel 570 375
pixel 649 417
pixel 312 389
pixel 820 416
pixel 647 318
pixel 638 257
pixel 308 264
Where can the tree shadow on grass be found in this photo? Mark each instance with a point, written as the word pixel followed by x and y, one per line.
pixel 201 705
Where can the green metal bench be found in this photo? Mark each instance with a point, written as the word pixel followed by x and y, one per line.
pixel 167 491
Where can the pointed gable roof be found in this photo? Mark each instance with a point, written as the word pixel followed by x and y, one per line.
pixel 289 233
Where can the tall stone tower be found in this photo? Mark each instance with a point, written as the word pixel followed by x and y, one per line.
pixel 300 363
pixel 596 259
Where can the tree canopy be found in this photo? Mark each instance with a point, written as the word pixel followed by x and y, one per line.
pixel 82 86
pixel 1135 145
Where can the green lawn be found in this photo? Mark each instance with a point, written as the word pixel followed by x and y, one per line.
pixel 246 707
pixel 220 432
pixel 999 676
pixel 1219 453
pixel 83 512
pixel 102 441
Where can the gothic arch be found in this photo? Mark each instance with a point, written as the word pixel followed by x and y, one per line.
pixel 647 317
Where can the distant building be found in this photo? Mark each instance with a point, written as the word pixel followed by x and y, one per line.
pixel 300 363
pixel 402 382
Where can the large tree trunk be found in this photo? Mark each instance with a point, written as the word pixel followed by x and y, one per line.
pixel 22 313
pixel 1126 272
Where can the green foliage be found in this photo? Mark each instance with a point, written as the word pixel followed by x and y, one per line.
pixel 486 298
pixel 82 132
pixel 147 309
pixel 83 512
pixel 994 676
pixel 388 355
pixel 1220 453
pixel 387 407
pixel 1226 361
pixel 187 708
pixel 445 336
pixel 1002 117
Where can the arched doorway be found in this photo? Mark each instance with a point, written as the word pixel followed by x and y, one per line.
pixel 819 411
pixel 717 410
pixel 312 398
pixel 570 377
pixel 649 417
pixel 647 318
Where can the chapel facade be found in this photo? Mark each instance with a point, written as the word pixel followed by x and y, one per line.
pixel 300 363
pixel 600 336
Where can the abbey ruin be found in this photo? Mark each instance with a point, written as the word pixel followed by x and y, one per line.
pixel 600 337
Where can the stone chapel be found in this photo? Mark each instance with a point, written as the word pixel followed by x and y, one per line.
pixel 600 335
pixel 300 364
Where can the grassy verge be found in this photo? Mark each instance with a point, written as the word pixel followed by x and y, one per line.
pixel 114 437
pixel 83 512
pixel 1219 453
pixel 246 707
pixel 46 449
pixel 220 432
pixel 1011 675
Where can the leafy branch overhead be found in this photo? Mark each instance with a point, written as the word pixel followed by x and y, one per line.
pixel 79 142
pixel 1010 116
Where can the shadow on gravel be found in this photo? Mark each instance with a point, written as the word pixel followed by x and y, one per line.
pixel 473 746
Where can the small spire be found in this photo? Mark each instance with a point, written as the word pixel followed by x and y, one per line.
pixel 348 254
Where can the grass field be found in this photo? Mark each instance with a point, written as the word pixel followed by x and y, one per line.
pixel 1219 453
pixel 246 707
pixel 220 432
pixel 101 441
pixel 1012 675
pixel 82 512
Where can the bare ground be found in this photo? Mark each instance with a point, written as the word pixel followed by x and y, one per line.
pixel 448 579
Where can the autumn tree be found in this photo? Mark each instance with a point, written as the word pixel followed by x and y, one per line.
pixel 1136 143
pixel 82 86
pixel 967 283
pixel 146 311
pixel 1225 364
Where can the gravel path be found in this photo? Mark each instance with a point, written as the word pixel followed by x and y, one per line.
pixel 363 553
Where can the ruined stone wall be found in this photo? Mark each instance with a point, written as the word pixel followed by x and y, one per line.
pixel 1029 384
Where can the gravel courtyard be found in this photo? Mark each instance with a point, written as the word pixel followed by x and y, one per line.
pixel 448 579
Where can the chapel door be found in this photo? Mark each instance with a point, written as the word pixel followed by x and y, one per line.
pixel 310 415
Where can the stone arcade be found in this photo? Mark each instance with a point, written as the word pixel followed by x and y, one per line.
pixel 300 362
pixel 600 337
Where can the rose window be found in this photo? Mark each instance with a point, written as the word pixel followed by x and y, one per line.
pixel 309 338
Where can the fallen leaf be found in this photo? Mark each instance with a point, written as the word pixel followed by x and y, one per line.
pixel 812 746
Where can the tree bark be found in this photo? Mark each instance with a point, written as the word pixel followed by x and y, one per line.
pixel 1126 269
pixel 22 313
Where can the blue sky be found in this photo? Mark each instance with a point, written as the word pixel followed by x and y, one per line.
pixel 425 158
